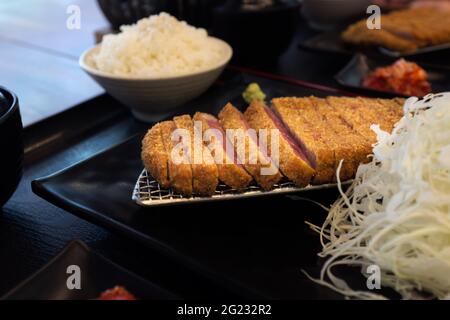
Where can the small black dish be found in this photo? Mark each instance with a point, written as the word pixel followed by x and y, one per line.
pixel 120 12
pixel 327 42
pixel 97 275
pixel 352 75
pixel 331 42
pixel 124 12
pixel 258 36
pixel 11 144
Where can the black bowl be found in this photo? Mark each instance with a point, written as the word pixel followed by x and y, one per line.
pixel 257 36
pixel 124 12
pixel 194 12
pixel 11 145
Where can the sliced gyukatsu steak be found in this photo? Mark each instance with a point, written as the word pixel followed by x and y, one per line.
pixel 180 174
pixel 293 161
pixel 400 102
pixel 358 116
pixel 378 111
pixel 360 113
pixel 392 108
pixel 204 169
pixel 349 146
pixel 154 156
pixel 231 172
pixel 255 162
pixel 308 127
pixel 387 109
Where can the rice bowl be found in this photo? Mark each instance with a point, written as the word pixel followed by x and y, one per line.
pixel 158 46
pixel 150 85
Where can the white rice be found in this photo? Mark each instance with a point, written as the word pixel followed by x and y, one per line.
pixel 158 46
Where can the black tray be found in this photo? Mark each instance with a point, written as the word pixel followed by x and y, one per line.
pixel 97 275
pixel 258 245
pixel 352 75
pixel 32 230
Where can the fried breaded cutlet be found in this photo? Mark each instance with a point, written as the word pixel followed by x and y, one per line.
pixel 348 145
pixel 204 169
pixel 180 174
pixel 360 116
pixel 385 112
pixel 154 155
pixel 359 34
pixel 335 129
pixel 308 127
pixel 293 162
pixel 259 165
pixel 360 113
pixel 403 30
pixel 392 107
pixel 230 171
pixel 314 136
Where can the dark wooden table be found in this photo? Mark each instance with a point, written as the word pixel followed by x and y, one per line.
pixel 39 54
pixel 39 62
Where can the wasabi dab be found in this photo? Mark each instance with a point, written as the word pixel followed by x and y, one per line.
pixel 253 93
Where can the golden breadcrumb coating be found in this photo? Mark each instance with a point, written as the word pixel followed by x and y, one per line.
pixel 230 173
pixel 232 118
pixel 292 165
pixel 204 173
pixel 154 156
pixel 403 30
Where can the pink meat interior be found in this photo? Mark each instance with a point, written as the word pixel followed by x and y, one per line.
pixel 214 124
pixel 254 138
pixel 295 142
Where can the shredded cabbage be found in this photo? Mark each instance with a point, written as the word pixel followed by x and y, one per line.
pixel 396 214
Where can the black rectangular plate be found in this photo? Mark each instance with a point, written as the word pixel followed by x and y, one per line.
pixel 331 42
pixel 97 275
pixel 257 244
pixel 352 75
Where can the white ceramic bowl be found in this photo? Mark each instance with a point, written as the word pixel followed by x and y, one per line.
pixel 152 99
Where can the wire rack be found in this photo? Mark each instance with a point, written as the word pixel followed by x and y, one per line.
pixel 148 193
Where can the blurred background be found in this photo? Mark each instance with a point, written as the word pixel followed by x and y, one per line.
pixel 39 53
